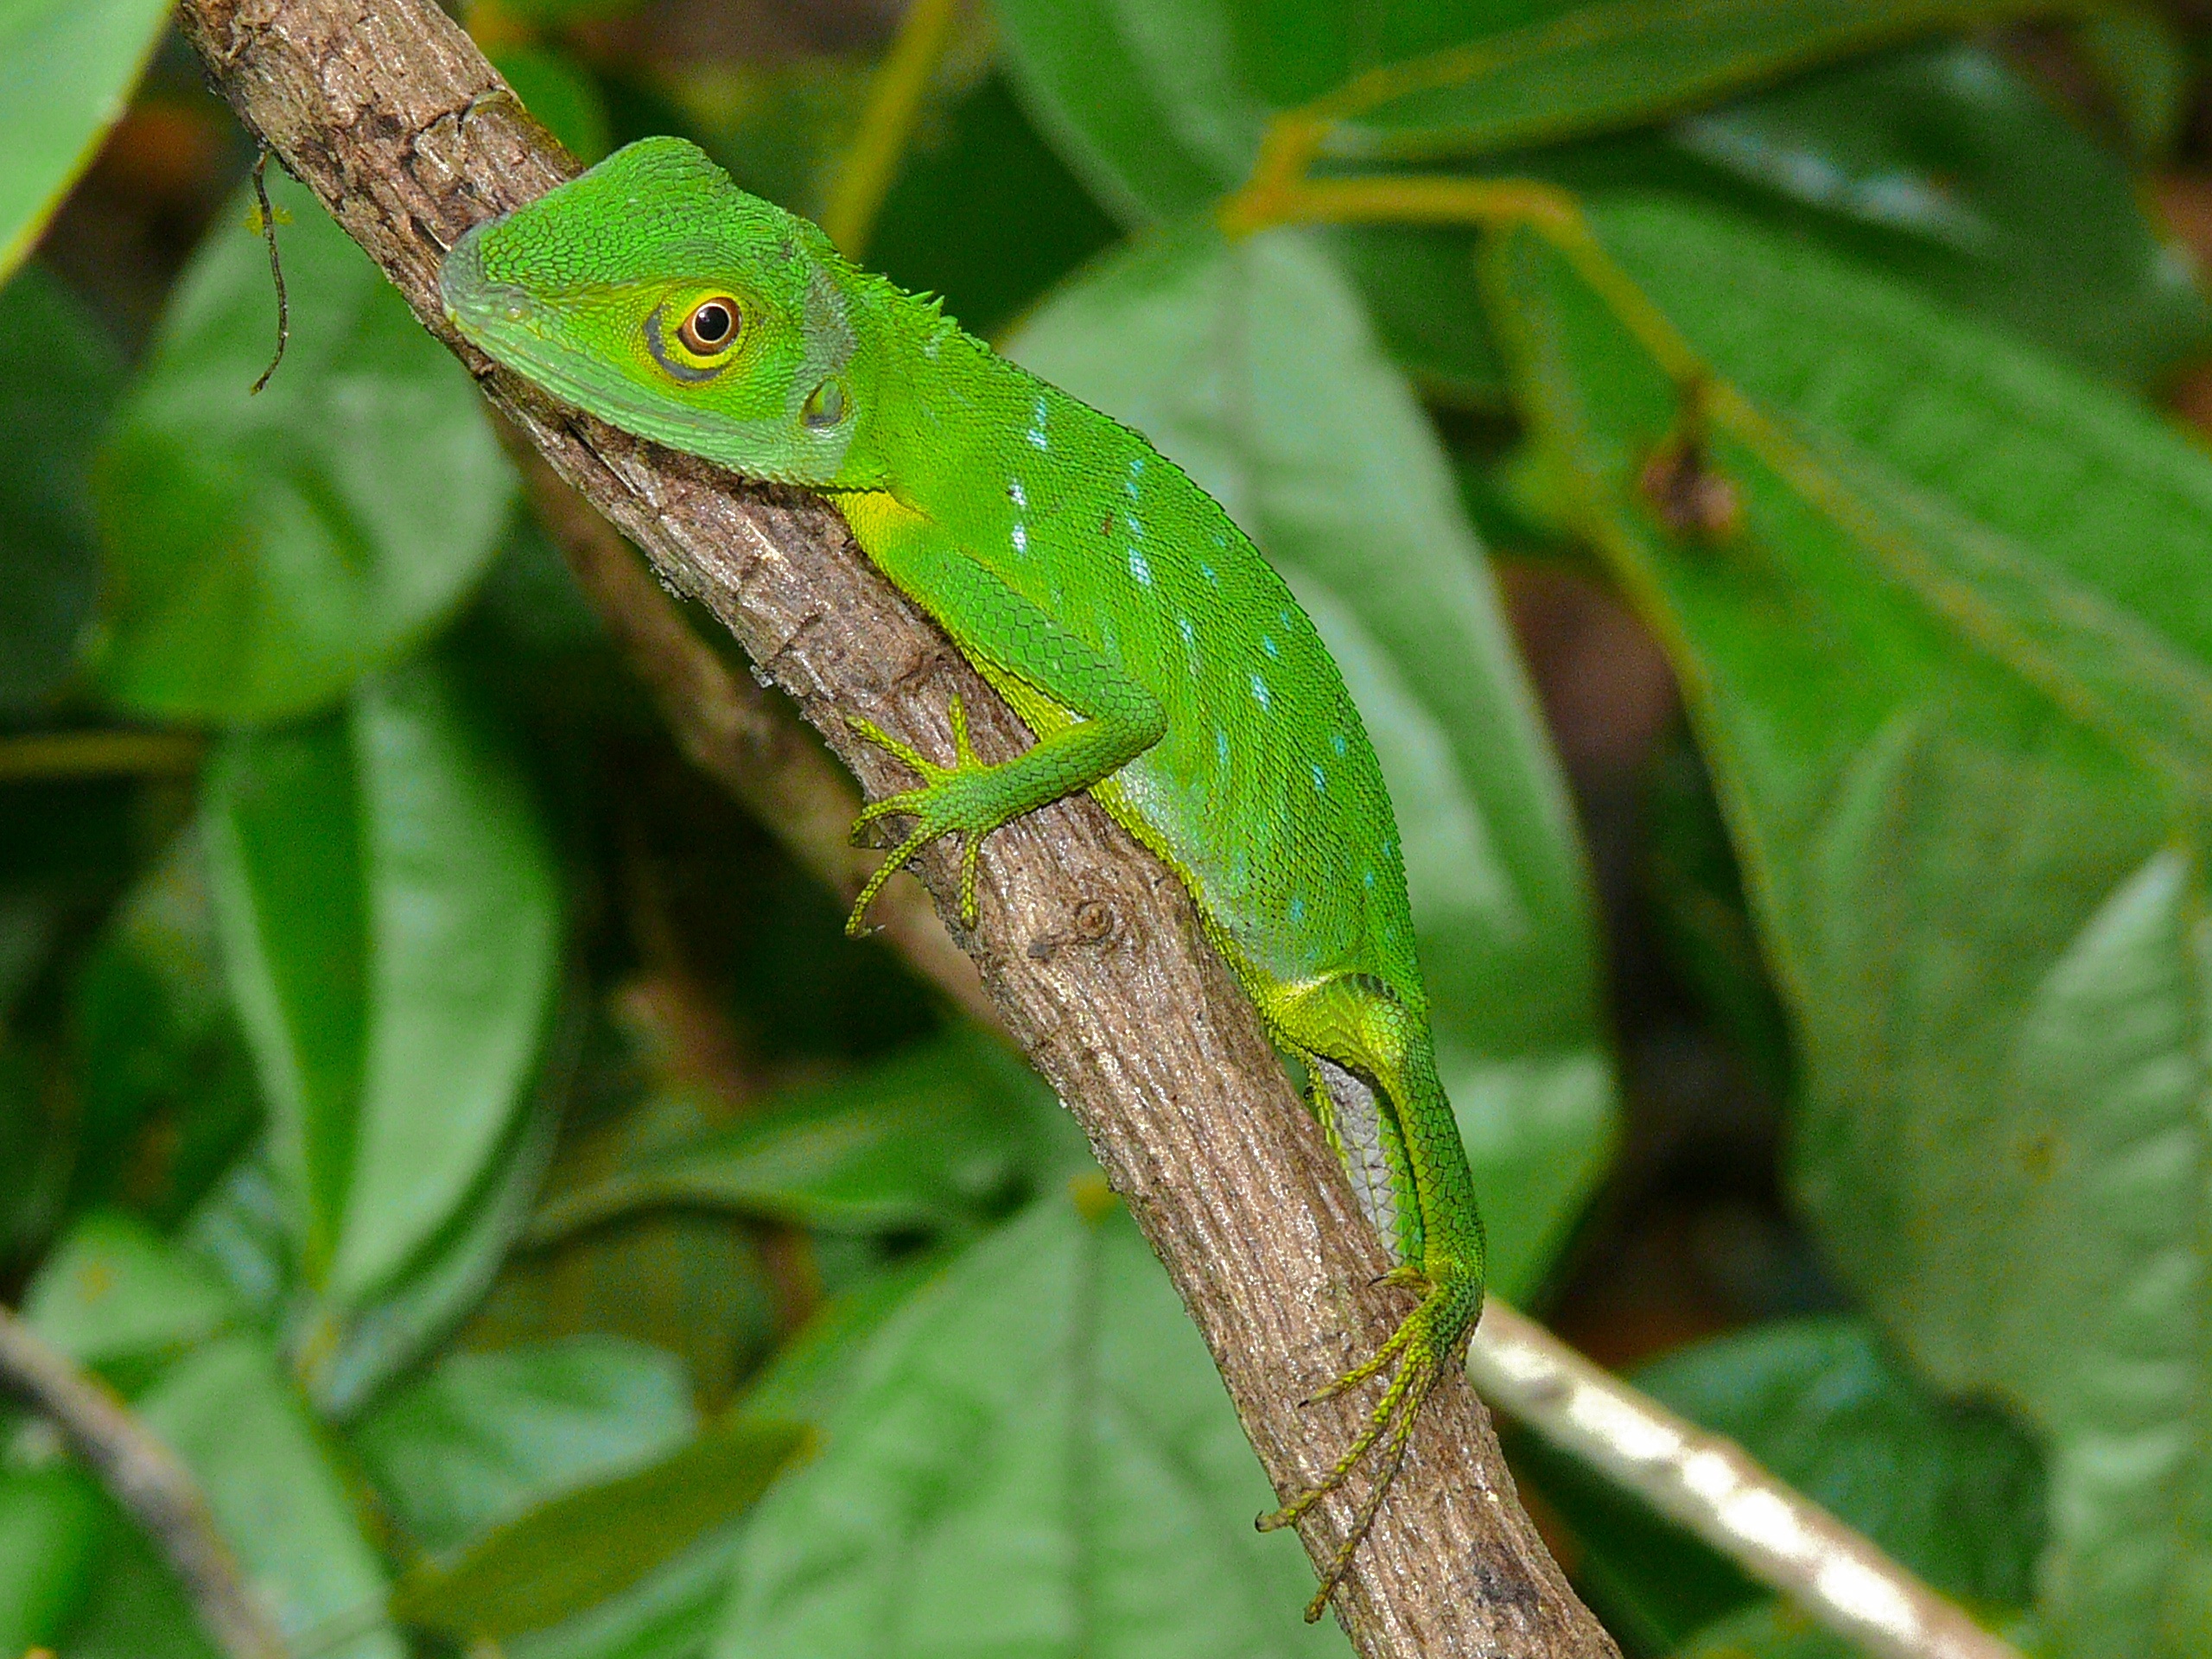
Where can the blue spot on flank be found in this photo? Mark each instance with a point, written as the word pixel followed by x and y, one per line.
pixel 1368 877
pixel 1297 910
pixel 1129 485
pixel 1139 569
pixel 1037 427
pixel 1336 743
pixel 1020 496
pixel 1267 644
pixel 1259 691
pixel 1320 779
pixel 1037 437
pixel 1021 538
pixel 1221 746
pixel 1183 626
pixel 1206 570
pixel 1137 527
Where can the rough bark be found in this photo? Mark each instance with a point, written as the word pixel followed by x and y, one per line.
pixel 1086 946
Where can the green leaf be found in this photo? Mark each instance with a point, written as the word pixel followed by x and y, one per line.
pixel 1419 285
pixel 451 1277
pixel 578 1549
pixel 557 14
pixel 52 1526
pixel 984 212
pixel 692 1284
pixel 1950 168
pixel 670 1614
pixel 929 1139
pixel 1950 669
pixel 228 1411
pixel 1772 1630
pixel 59 380
pixel 561 95
pixel 1159 104
pixel 391 922
pixel 1595 68
pixel 266 552
pixel 483 1436
pixel 166 1087
pixel 673 1611
pixel 1034 1455
pixel 1251 366
pixel 114 1291
pixel 2144 63
pixel 1702 916
pixel 135 1609
pixel 2071 472
pixel 66 68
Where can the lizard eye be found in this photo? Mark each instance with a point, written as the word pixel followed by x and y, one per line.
pixel 711 329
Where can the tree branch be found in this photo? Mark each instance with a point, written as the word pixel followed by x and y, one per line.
pixel 388 112
pixel 149 1480
pixel 1712 1486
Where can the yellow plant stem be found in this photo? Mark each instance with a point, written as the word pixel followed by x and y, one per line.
pixel 47 756
pixel 1495 204
pixel 495 29
pixel 894 104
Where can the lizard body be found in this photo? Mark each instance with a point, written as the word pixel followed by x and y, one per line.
pixel 1160 661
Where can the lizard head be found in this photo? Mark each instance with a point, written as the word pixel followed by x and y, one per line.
pixel 655 294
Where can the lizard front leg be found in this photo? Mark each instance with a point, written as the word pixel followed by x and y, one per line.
pixel 1009 638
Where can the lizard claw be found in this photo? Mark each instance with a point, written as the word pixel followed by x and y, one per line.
pixel 1430 1339
pixel 950 800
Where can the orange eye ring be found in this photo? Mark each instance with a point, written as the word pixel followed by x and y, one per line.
pixel 712 326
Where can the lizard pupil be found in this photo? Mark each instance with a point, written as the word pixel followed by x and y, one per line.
pixel 710 328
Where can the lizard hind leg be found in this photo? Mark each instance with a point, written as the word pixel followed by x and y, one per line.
pixel 1424 1346
pixel 1389 1122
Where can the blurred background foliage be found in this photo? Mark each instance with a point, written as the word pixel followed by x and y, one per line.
pixel 466 1137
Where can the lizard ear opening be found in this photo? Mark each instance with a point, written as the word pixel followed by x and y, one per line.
pixel 711 328
pixel 825 405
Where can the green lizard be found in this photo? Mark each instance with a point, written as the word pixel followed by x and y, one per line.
pixel 1160 662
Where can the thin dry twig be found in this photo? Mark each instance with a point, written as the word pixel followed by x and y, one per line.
pixel 149 1480
pixel 1712 1486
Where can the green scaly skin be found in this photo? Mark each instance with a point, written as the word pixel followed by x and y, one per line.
pixel 1162 664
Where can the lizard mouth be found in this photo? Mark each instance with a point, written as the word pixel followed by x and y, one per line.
pixel 507 323
pixel 474 303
